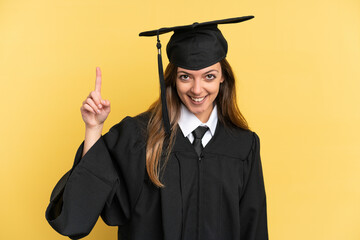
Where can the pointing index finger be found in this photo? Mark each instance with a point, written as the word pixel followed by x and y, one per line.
pixel 98 80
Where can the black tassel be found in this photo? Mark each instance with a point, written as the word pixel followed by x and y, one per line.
pixel 165 113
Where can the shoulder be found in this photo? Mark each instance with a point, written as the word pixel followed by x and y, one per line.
pixel 131 129
pixel 250 141
pixel 238 141
pixel 241 135
pixel 136 123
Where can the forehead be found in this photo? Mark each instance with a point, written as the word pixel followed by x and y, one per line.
pixel 216 67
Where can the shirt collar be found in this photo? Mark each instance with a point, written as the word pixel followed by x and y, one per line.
pixel 188 122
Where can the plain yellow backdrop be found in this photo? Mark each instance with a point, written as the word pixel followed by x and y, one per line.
pixel 297 65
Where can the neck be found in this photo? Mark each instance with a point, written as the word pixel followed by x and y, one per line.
pixel 204 116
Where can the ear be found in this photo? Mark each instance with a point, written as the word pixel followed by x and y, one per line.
pixel 222 79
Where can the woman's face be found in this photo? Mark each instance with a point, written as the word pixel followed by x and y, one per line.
pixel 198 89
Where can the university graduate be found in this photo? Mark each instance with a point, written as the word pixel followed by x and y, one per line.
pixel 188 168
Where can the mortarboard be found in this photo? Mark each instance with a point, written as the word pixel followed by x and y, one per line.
pixel 193 47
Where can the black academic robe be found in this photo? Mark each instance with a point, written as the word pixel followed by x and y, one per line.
pixel 218 196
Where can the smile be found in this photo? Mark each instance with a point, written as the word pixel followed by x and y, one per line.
pixel 198 100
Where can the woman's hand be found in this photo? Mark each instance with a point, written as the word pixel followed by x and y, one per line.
pixel 94 109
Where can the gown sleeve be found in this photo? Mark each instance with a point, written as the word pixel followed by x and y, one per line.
pixel 253 216
pixel 107 177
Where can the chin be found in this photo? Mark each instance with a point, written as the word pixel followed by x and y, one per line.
pixel 198 109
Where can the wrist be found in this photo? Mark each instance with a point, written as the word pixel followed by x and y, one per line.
pixel 94 127
pixel 93 133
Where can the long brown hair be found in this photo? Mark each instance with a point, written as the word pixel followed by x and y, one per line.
pixel 228 114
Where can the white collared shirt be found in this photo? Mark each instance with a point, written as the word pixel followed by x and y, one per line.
pixel 188 122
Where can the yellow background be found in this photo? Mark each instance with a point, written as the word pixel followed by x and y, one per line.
pixel 298 69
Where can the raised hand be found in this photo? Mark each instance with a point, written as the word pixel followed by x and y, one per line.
pixel 94 109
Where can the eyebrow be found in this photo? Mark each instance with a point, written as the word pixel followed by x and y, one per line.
pixel 204 73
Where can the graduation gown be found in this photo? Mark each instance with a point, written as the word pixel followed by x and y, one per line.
pixel 220 195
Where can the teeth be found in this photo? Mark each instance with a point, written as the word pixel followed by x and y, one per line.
pixel 197 99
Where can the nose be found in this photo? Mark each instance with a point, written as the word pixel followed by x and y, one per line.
pixel 196 87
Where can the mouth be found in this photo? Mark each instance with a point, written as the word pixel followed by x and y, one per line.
pixel 197 100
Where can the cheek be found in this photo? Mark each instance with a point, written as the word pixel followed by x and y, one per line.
pixel 181 94
pixel 181 88
pixel 215 89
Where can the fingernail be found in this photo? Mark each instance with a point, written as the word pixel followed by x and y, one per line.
pixel 98 111
pixel 100 106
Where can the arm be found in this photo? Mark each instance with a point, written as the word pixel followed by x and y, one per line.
pixel 108 176
pixel 79 197
pixel 92 135
pixel 253 216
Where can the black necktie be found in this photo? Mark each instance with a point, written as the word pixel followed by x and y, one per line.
pixel 198 134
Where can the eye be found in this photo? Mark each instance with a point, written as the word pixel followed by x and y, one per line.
pixel 184 77
pixel 210 76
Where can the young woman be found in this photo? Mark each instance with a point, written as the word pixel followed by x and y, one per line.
pixel 200 178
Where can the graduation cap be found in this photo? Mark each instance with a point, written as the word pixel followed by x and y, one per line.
pixel 192 47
